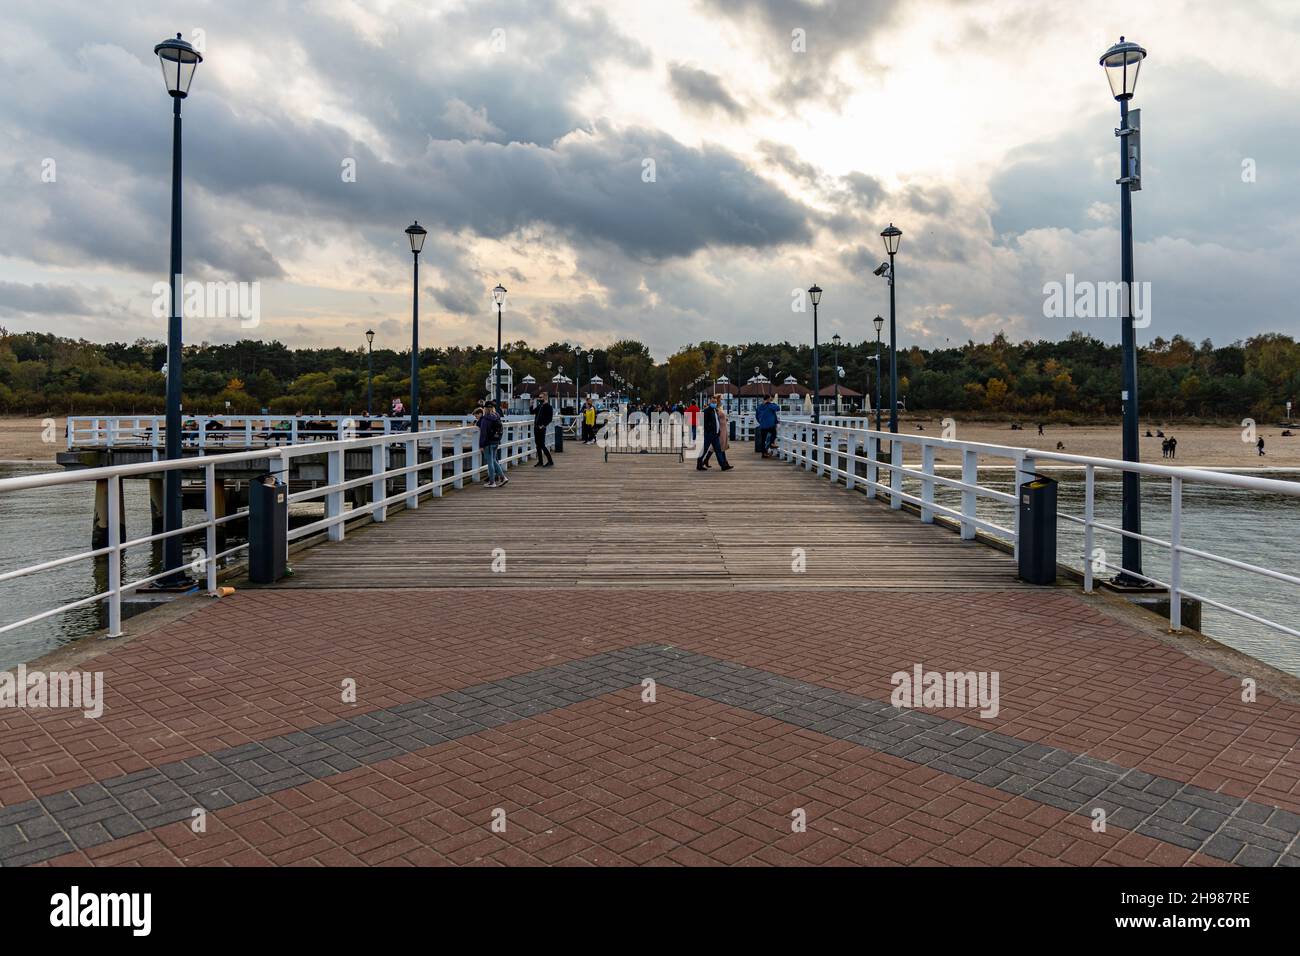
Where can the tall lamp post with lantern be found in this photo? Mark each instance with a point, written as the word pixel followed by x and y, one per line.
pixel 415 233
pixel 1121 63
pixel 179 61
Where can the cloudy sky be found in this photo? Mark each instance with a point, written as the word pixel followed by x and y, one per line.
pixel 669 171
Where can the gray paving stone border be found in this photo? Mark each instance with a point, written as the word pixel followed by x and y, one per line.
pixel 1226 828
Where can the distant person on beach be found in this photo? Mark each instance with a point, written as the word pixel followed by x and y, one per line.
pixel 543 415
pixel 714 435
pixel 1260 445
pixel 1173 447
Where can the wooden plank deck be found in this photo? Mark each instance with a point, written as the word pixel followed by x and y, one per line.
pixel 649 521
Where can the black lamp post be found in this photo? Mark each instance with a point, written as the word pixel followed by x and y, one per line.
pixel 1122 62
pixel 835 340
pixel 892 235
pixel 179 61
pixel 816 295
pixel 370 370
pixel 416 233
pixel 879 323
pixel 499 297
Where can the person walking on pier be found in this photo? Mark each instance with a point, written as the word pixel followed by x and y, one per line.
pixel 715 423
pixel 589 423
pixel 693 418
pixel 767 415
pixel 489 443
pixel 543 414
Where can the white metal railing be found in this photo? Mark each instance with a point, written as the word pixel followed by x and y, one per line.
pixel 454 448
pixel 838 446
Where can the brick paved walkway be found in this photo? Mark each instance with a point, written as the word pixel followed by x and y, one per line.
pixel 531 702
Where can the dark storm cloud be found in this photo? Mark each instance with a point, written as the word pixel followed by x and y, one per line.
pixel 251 171
pixel 702 90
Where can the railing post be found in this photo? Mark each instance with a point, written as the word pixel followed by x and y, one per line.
pixel 435 460
pixel 1024 472
pixel 895 474
pixel 458 466
pixel 114 556
pixel 873 470
pixel 378 487
pixel 850 458
pixel 970 475
pixel 1176 554
pixel 248 432
pixel 927 483
pixel 334 499
pixel 210 516
pixel 412 476
pixel 1089 487
pixel 475 461
pixel 203 432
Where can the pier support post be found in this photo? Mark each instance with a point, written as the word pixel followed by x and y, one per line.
pixel 99 529
pixel 156 506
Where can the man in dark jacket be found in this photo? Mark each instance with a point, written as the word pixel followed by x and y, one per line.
pixel 767 415
pixel 712 438
pixel 543 414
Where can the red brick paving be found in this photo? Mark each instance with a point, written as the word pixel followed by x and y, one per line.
pixel 616 781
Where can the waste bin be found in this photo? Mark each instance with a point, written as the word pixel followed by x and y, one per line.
pixel 268 530
pixel 731 430
pixel 1038 530
pixel 758 439
pixel 559 437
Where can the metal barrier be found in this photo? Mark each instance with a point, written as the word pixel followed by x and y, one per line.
pixel 455 447
pixel 836 450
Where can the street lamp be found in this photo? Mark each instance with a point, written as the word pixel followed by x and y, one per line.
pixel 816 295
pixel 835 340
pixel 499 297
pixel 1122 62
pixel 415 233
pixel 370 370
pixel 179 61
pixel 892 235
pixel 879 323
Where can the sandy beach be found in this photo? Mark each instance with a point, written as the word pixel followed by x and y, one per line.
pixel 1207 446
pixel 25 439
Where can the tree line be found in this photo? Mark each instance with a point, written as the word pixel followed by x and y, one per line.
pixel 1076 379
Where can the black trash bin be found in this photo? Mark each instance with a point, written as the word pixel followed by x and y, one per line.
pixel 559 437
pixel 268 530
pixel 1038 530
